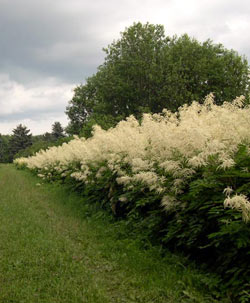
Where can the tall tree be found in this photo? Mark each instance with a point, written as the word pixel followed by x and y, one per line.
pixel 21 138
pixel 146 71
pixel 57 131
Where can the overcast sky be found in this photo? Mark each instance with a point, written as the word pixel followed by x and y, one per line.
pixel 48 47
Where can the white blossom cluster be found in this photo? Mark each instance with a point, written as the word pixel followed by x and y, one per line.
pixel 163 144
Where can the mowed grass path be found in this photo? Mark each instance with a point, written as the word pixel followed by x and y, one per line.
pixel 53 250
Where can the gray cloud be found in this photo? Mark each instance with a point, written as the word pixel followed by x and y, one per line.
pixel 64 38
pixel 47 39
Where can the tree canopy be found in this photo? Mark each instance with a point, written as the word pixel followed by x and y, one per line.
pixel 146 71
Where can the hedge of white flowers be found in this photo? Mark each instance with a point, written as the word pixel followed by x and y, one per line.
pixel 160 145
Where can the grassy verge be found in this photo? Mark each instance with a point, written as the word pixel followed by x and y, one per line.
pixel 55 248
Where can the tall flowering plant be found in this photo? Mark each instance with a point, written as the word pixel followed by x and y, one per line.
pixel 182 177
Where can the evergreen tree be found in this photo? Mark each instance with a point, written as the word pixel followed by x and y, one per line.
pixel 57 131
pixel 20 139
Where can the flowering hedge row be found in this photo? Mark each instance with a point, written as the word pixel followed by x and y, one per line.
pixel 180 177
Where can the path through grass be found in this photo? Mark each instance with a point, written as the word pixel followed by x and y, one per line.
pixel 53 250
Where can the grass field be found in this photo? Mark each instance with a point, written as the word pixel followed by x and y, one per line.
pixel 55 248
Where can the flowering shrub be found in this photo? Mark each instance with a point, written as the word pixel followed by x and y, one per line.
pixel 182 176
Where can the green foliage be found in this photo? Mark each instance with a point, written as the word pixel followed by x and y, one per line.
pixel 57 131
pixel 146 71
pixel 39 144
pixel 20 140
pixel 105 121
pixel 81 106
pixel 47 137
pixel 4 149
pixel 207 231
pixel 32 149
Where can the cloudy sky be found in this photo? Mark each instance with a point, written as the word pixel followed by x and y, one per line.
pixel 48 47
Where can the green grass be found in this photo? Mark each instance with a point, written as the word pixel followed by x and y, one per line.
pixel 54 248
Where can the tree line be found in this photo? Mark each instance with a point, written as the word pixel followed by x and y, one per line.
pixel 22 143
